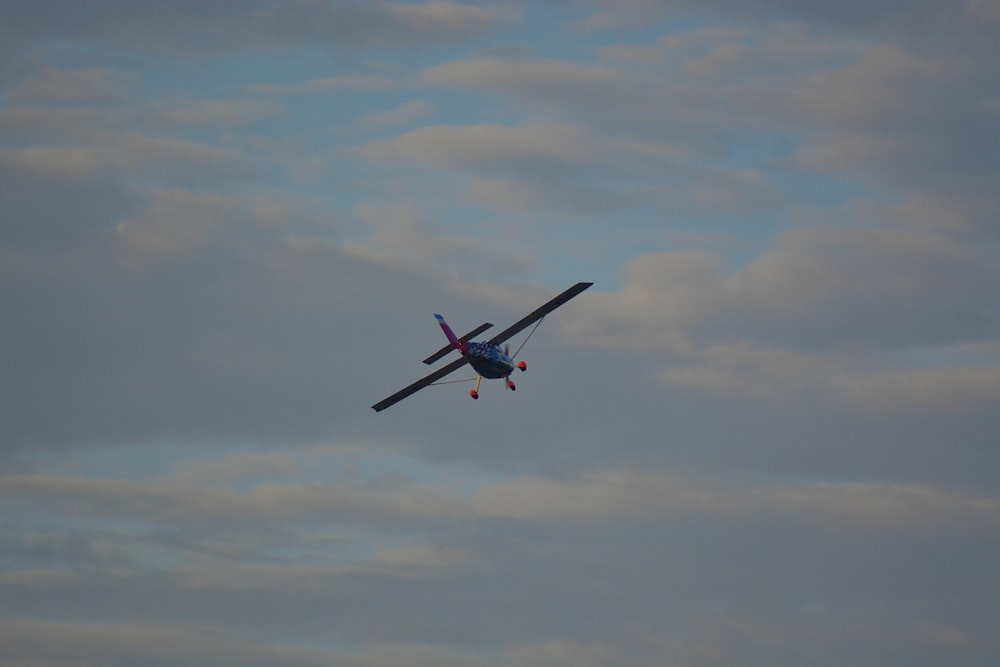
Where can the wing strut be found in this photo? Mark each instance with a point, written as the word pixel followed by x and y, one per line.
pixel 419 384
pixel 526 339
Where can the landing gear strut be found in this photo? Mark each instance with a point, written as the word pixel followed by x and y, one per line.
pixel 474 393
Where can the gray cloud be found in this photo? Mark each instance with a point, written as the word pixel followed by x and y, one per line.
pixel 828 287
pixel 490 147
pixel 182 28
pixel 89 85
pixel 593 498
pixel 809 556
pixel 772 446
pixel 897 112
pixel 62 643
pixel 807 576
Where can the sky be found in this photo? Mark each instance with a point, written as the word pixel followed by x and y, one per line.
pixel 767 435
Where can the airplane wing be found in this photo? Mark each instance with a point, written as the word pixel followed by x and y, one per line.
pixel 539 313
pixel 419 384
pixel 524 322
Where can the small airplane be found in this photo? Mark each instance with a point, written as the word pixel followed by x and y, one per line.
pixel 487 358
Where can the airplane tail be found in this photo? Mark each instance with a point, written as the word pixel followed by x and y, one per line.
pixel 457 344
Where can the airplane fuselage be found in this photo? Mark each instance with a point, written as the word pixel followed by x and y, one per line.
pixel 489 360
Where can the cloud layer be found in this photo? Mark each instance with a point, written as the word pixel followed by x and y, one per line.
pixel 766 435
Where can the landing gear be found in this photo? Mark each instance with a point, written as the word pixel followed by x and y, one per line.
pixel 510 385
pixel 474 393
pixel 523 366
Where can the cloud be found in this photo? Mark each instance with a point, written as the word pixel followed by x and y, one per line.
pixel 165 159
pixel 89 85
pixel 892 111
pixel 405 114
pixel 623 495
pixel 951 389
pixel 610 534
pixel 224 511
pixel 575 89
pixel 178 222
pixel 200 504
pixel 767 429
pixel 213 113
pixel 98 128
pixel 545 167
pixel 521 74
pixel 86 189
pixel 489 147
pixel 215 27
pixel 513 194
pixel 755 373
pixel 60 642
pixel 326 85
pixel 729 53
pixel 820 286
pixel 400 235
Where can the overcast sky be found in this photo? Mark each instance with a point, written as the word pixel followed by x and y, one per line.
pixel 768 435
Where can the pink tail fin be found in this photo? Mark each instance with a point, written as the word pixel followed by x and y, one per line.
pixel 452 338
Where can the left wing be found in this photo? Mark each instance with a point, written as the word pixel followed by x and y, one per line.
pixel 419 384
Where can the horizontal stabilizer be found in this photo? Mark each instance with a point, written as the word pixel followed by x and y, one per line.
pixel 464 339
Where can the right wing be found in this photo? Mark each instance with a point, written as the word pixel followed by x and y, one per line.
pixel 419 384
pixel 539 313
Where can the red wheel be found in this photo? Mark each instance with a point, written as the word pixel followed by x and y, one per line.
pixel 474 394
pixel 523 366
pixel 510 385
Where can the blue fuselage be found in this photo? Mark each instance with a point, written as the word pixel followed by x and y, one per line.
pixel 489 360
